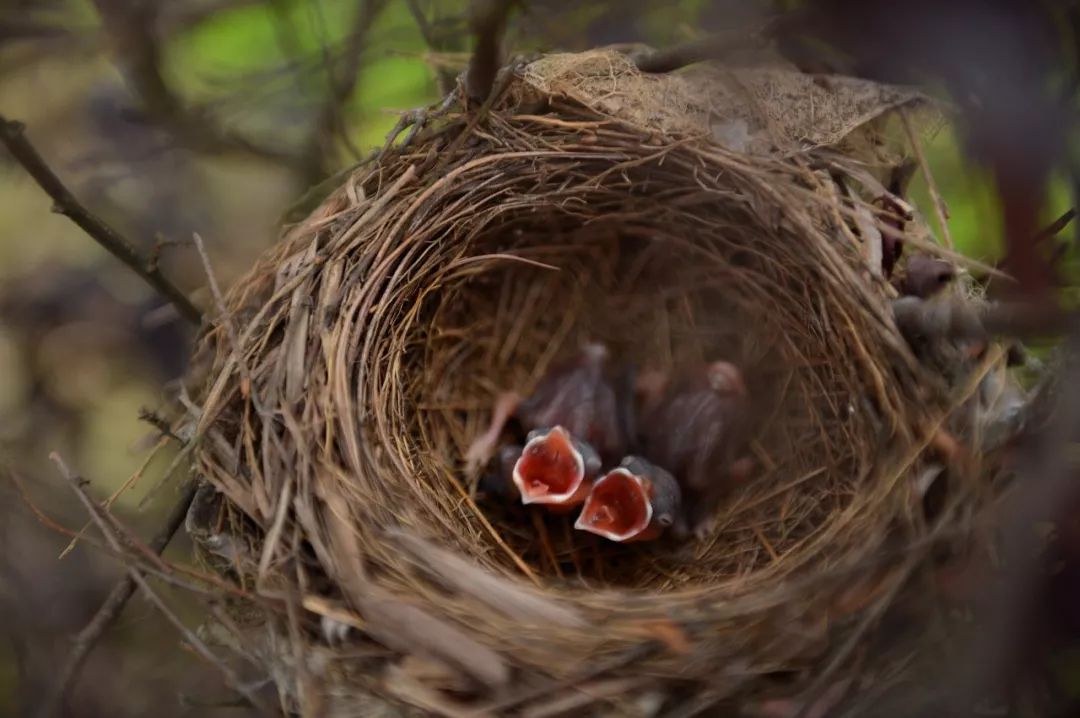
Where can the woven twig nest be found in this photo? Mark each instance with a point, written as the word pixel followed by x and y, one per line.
pixel 674 218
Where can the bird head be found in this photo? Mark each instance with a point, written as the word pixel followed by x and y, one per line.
pixel 551 469
pixel 725 379
pixel 619 507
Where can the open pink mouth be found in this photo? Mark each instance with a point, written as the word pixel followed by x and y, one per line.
pixel 550 470
pixel 618 508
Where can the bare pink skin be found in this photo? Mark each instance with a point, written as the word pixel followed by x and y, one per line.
pixel 483 447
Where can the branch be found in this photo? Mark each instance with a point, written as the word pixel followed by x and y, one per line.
pixel 714 47
pixel 12 29
pixel 13 136
pixel 78 484
pixel 110 610
pixel 174 18
pixel 1056 227
pixel 488 21
pixel 130 27
pixel 342 87
pixel 436 43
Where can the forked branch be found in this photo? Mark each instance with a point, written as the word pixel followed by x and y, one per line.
pixel 86 639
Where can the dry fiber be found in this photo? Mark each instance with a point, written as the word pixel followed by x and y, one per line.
pixel 676 218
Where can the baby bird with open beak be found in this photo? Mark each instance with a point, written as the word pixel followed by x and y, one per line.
pixel 555 469
pixel 637 501
pixel 696 432
pixel 575 421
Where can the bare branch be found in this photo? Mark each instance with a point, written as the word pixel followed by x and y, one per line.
pixel 940 209
pixel 13 135
pixel 226 321
pixel 714 47
pixel 13 28
pixel 953 319
pixel 1056 227
pixel 343 81
pixel 86 639
pixel 77 484
pixel 130 28
pixel 488 21
pixel 436 43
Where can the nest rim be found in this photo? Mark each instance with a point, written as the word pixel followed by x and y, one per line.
pixel 374 226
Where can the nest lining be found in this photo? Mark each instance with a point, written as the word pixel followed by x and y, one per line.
pixel 374 337
pixel 633 281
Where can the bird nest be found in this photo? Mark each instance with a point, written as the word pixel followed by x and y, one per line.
pixel 676 219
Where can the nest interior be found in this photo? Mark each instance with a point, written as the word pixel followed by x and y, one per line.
pixel 361 357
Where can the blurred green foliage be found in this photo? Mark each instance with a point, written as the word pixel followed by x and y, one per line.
pixel 250 43
pixel 263 44
pixel 261 67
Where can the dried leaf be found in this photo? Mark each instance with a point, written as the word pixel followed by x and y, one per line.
pixel 760 110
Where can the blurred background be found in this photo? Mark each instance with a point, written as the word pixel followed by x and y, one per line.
pixel 217 116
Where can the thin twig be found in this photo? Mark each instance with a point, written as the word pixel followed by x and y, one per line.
pixel 13 135
pixel 131 30
pixel 330 120
pixel 40 515
pixel 128 483
pixel 226 321
pixel 175 18
pixel 714 47
pixel 444 78
pixel 160 423
pixel 940 209
pixel 77 484
pixel 415 120
pixel 1054 228
pixel 165 570
pixel 110 610
pixel 488 20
